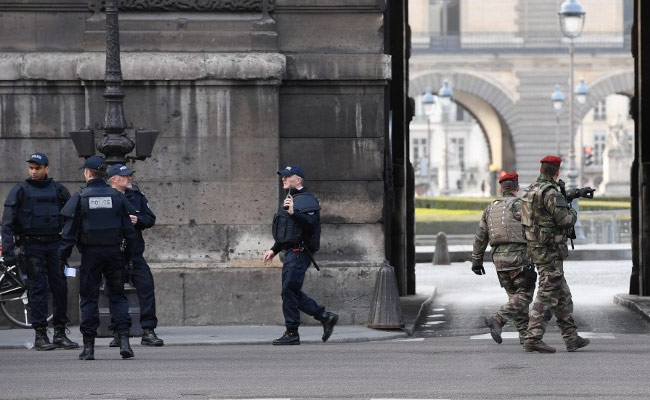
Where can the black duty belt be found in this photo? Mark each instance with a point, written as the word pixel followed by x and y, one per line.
pixel 39 239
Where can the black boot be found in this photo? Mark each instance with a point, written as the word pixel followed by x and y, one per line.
pixel 41 341
pixel 328 320
pixel 290 337
pixel 125 346
pixel 88 352
pixel 149 338
pixel 495 328
pixel 61 340
pixel 116 340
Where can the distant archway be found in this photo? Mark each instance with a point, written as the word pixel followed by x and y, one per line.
pixel 615 83
pixel 490 105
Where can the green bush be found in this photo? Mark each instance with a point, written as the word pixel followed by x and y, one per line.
pixel 449 227
pixel 479 203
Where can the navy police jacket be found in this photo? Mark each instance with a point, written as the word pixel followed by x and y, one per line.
pixel 146 217
pixel 32 209
pixel 97 215
pixel 309 222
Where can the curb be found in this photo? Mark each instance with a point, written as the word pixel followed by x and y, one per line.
pixel 399 334
pixel 422 313
pixel 618 299
pixel 576 255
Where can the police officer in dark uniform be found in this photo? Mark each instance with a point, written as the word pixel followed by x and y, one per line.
pixel 296 230
pixel 97 220
pixel 120 178
pixel 31 221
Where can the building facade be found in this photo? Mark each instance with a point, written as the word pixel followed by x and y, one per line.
pixel 237 89
pixel 503 59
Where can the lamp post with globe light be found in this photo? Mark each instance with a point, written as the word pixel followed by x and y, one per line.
pixel 572 21
pixel 446 96
pixel 428 102
pixel 581 92
pixel 557 99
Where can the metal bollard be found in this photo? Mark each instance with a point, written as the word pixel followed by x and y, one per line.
pixel 441 255
pixel 385 310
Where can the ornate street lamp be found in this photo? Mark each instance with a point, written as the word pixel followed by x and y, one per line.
pixel 115 144
pixel 428 101
pixel 557 99
pixel 572 21
pixel 581 92
pixel 446 96
pixel 572 18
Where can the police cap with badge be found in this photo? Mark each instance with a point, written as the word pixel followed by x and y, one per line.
pixel 119 169
pixel 39 158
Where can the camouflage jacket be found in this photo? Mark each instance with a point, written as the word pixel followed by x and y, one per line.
pixel 546 216
pixel 500 226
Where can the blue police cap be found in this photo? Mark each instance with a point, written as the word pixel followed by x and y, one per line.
pixel 39 158
pixel 292 170
pixel 95 162
pixel 119 169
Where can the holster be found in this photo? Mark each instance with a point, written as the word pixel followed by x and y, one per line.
pixel 530 275
pixel 25 268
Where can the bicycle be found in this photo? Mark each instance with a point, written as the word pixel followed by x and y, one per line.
pixel 14 299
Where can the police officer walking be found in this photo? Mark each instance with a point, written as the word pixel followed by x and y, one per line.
pixel 500 226
pixel 296 231
pixel 31 221
pixel 547 216
pixel 97 220
pixel 120 178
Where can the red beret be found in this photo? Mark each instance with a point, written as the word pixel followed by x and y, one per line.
pixel 508 176
pixel 552 160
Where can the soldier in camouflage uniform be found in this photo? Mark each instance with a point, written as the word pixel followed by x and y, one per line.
pixel 546 217
pixel 501 227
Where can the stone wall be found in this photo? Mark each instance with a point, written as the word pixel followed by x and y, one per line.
pixel 234 96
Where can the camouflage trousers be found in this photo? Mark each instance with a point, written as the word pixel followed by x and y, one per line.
pixel 519 298
pixel 552 293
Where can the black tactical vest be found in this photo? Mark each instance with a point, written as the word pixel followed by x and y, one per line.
pixel 39 212
pixel 101 218
pixel 286 230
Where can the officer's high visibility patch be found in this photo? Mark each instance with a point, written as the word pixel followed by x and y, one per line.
pixel 100 202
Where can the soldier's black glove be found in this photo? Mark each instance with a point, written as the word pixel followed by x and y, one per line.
pixel 530 276
pixel 586 192
pixel 478 269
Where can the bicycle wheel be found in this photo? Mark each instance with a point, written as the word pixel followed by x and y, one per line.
pixel 14 302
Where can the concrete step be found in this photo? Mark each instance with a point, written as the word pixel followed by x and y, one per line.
pixel 584 252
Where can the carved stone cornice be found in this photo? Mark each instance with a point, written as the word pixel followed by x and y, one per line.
pixel 187 5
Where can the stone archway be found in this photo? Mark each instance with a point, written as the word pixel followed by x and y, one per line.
pixel 492 106
pixel 614 83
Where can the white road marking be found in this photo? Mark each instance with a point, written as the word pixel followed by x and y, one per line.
pixel 409 399
pixel 435 316
pixel 410 340
pixel 433 323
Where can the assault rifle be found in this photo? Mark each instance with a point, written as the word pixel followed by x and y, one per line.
pixel 570 195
